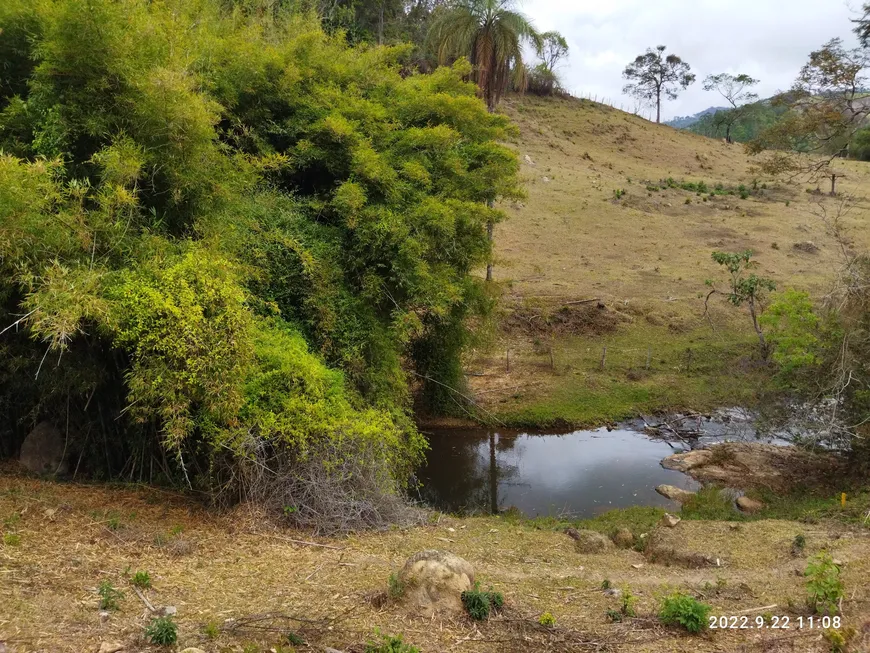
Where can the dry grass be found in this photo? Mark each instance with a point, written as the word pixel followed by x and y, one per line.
pixel 255 584
pixel 645 256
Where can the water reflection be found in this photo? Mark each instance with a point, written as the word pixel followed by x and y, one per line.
pixel 579 473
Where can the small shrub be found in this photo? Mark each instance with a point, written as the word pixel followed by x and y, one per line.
pixel 161 631
pixel 294 640
pixel 141 579
pixel 614 615
pixel 618 194
pixel 478 604
pixel 389 644
pixel 605 584
pixel 395 587
pixel 686 611
pixel 11 539
pixel 629 600
pixel 688 200
pixel 109 595
pixel 211 629
pixel 798 545
pixel 824 586
pixel 547 619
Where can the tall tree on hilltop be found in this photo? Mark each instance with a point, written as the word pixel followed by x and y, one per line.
pixel 652 75
pixel 491 33
pixel 735 89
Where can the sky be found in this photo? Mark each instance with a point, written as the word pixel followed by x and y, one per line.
pixel 767 39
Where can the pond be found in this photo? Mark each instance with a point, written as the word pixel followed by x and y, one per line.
pixel 576 474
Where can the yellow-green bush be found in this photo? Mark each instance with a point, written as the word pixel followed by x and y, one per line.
pixel 226 230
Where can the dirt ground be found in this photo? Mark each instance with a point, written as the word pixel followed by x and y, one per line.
pixel 240 585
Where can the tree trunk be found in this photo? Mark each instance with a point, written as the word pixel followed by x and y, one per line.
pixel 833 185
pixel 764 349
pixel 658 109
pixel 728 134
pixel 381 24
pixel 489 228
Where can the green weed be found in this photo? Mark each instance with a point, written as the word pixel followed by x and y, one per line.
pixel 686 611
pixel 824 586
pixel 109 595
pixel 389 644
pixel 480 604
pixel 162 631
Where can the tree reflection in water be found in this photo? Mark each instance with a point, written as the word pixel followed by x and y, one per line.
pixel 463 470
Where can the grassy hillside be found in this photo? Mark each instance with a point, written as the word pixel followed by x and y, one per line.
pixel 598 225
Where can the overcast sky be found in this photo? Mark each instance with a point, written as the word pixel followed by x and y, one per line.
pixel 767 39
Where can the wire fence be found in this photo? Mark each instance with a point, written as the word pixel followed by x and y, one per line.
pixel 640 111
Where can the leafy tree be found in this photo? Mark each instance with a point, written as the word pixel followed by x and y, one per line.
pixel 735 90
pixel 542 79
pixel 825 108
pixel 653 75
pixel 743 288
pixel 552 49
pixel 234 238
pixel 491 33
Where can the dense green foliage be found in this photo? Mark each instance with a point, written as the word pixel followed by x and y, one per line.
pixel 223 229
pixel 747 125
pixel 686 611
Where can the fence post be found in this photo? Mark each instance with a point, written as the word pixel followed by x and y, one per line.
pixel 603 357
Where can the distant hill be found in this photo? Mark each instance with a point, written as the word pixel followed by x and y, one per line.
pixel 683 122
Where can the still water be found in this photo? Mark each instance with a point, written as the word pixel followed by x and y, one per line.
pixel 578 474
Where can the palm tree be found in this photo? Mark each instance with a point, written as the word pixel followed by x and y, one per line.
pixel 491 34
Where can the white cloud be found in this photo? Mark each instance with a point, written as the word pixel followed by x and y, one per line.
pixel 768 39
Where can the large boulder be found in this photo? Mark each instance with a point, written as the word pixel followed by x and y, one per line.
pixel 43 449
pixel 674 493
pixel 435 580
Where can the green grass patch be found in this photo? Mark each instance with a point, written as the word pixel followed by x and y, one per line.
pixel 806 505
pixel 691 370
pixel 637 519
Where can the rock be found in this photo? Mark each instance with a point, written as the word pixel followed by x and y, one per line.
pixel 546 180
pixel 168 611
pixel 613 592
pixel 807 246
pixel 683 462
pixel 328 649
pixel 528 160
pixel 623 538
pixel 669 520
pixel 104 616
pixel 193 649
pixel 674 493
pixel 591 542
pixel 43 449
pixel 435 580
pixel 111 647
pixel 749 505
